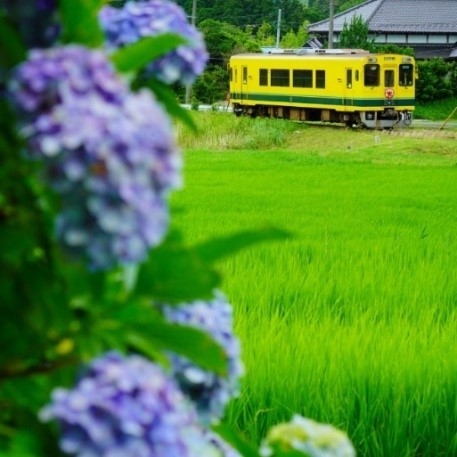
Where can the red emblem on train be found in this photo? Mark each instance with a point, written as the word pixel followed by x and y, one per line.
pixel 389 92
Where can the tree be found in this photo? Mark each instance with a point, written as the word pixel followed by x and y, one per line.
pixel 348 4
pixel 265 34
pixel 211 86
pixel 223 39
pixel 355 35
pixel 295 39
pixel 437 80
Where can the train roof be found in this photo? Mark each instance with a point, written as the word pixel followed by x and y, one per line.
pixel 327 55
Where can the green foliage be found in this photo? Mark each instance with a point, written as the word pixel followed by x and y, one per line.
pixel 391 49
pixel 346 4
pixel 244 13
pixel 167 96
pixel 265 34
pixel 134 57
pixel 12 50
pixel 294 40
pixel 211 86
pixel 437 80
pixel 223 39
pixel 57 314
pixel 80 22
pixel 355 34
pixel 437 110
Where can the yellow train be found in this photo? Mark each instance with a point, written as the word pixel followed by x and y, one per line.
pixel 347 86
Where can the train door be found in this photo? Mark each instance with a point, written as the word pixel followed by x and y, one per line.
pixel 244 81
pixel 389 83
pixel 348 88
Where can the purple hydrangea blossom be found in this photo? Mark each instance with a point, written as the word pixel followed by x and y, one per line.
pixel 209 391
pixel 148 18
pixel 109 153
pixel 126 406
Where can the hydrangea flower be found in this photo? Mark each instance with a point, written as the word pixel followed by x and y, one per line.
pixel 126 406
pixel 109 153
pixel 308 437
pixel 209 391
pixel 136 20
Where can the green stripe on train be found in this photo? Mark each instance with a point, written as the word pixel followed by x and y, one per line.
pixel 319 101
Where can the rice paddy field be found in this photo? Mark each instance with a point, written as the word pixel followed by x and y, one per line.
pixel 352 320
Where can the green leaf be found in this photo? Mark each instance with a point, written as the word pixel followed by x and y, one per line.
pixel 79 19
pixel 167 97
pixel 139 325
pixel 174 273
pixel 15 243
pixel 189 342
pixel 12 50
pixel 137 55
pixel 245 448
pixel 215 249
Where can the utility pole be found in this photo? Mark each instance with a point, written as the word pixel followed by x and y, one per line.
pixel 330 24
pixel 192 21
pixel 278 29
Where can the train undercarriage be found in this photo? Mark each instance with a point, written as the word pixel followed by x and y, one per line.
pixel 386 119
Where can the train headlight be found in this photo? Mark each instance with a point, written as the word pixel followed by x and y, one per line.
pixel 372 59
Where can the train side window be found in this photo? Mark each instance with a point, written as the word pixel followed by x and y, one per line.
pixel 371 75
pixel 349 78
pixel 320 79
pixel 302 78
pixel 357 75
pixel 280 78
pixel 245 75
pixel 236 74
pixel 263 77
pixel 406 75
pixel 389 78
pixel 231 74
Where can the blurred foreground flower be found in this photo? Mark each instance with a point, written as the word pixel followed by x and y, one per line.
pixel 209 391
pixel 308 437
pixel 109 153
pixel 127 407
pixel 148 18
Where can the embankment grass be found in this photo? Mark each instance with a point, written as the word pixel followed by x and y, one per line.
pixel 353 320
pixel 438 110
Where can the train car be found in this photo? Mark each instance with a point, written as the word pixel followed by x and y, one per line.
pixel 347 86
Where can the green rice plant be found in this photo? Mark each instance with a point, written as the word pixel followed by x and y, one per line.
pixel 351 321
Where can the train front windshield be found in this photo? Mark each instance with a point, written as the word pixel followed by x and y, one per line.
pixel 406 77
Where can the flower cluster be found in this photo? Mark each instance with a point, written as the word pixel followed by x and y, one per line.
pixel 308 437
pixel 127 406
pixel 209 391
pixel 136 20
pixel 109 153
pixel 123 405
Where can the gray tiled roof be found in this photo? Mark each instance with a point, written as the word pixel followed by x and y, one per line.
pixel 421 16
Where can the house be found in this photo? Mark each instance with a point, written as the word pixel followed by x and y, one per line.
pixel 427 26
